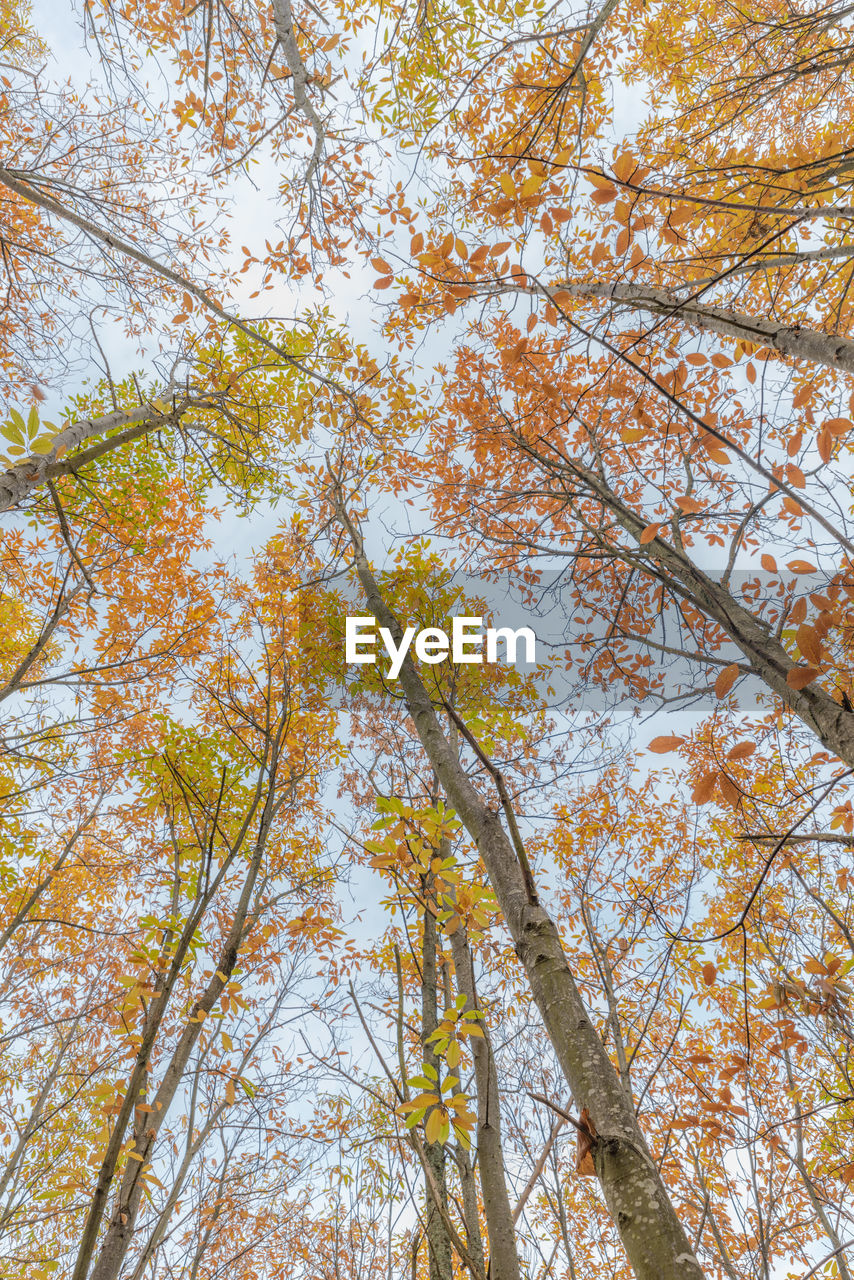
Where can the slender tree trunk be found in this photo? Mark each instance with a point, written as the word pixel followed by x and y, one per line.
pixel 503 1258
pixel 471 1208
pixel 438 1244
pixel 654 1239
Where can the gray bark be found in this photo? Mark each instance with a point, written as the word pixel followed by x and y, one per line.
pixel 471 1209
pixel 832 724
pixel 652 1235
pixel 796 341
pixel 32 472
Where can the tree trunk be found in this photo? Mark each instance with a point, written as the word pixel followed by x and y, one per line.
pixel 503 1258
pixel 796 341
pixel 438 1244
pixel 653 1237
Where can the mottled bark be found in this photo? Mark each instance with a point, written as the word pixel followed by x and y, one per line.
pixel 832 724
pixel 33 472
pixel 653 1237
pixel 797 341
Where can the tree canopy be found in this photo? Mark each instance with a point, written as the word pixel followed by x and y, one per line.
pixel 434 968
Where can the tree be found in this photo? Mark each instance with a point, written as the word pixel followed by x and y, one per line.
pixel 605 1024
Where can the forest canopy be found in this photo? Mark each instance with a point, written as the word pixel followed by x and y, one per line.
pixel 411 316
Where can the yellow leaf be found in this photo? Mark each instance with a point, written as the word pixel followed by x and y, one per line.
pixel 434 1124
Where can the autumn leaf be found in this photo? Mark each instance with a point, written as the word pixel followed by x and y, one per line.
pixel 799 677
pixel 726 679
pixel 705 788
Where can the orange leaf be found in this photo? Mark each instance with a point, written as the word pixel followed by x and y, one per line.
pixel 809 644
pixel 801 566
pixel 384 283
pixel 713 448
pixel 741 751
pixel 838 426
pixel 726 679
pixel 794 445
pixel 769 564
pixel 824 444
pixel 604 195
pixel 650 532
pixel 664 744
pixel 710 972
pixel 729 791
pixel 705 788
pixel 690 505
pixel 380 264
pixel 800 677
